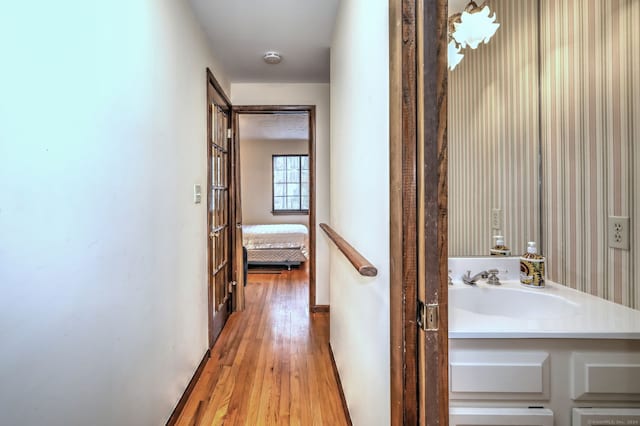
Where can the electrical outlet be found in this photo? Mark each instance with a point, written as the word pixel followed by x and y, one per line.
pixel 496 219
pixel 619 232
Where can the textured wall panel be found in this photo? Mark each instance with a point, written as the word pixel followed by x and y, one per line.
pixel 590 120
pixel 493 135
pixel 589 84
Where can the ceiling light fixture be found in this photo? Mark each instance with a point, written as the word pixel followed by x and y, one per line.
pixel 272 58
pixel 454 54
pixel 468 29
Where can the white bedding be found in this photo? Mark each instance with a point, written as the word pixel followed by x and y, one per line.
pixel 274 256
pixel 275 242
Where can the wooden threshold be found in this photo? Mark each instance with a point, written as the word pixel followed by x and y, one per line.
pixel 187 392
pixel 320 308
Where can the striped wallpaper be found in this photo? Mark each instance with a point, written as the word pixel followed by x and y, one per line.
pixel 493 136
pixel 590 105
pixel 590 118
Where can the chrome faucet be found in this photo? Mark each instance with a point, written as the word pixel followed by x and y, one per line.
pixel 491 276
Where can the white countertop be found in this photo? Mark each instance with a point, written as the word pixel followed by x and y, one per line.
pixel 529 313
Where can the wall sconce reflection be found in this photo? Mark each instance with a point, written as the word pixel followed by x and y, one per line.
pixel 474 25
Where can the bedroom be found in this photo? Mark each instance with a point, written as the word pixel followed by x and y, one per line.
pixel 275 174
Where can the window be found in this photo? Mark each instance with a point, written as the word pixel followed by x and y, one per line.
pixel 290 184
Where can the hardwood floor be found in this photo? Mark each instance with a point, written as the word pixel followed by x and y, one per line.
pixel 271 364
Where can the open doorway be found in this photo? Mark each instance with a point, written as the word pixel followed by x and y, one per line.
pixel 277 174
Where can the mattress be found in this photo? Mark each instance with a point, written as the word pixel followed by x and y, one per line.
pixel 275 243
pixel 276 256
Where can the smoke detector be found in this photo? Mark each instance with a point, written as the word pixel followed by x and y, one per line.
pixel 272 58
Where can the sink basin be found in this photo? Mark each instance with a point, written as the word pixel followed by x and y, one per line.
pixel 516 302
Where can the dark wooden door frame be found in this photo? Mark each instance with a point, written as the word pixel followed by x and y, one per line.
pixel 418 203
pixel 216 93
pixel 311 111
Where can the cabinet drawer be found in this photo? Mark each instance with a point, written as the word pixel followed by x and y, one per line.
pixel 606 376
pixel 463 416
pixel 499 375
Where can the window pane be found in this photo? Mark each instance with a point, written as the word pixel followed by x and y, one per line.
pixel 288 192
pixel 279 177
pixel 293 189
pixel 278 203
pixel 293 163
pixel 279 163
pixel 278 189
pixel 293 203
pixel 223 170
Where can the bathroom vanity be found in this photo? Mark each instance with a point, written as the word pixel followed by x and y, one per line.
pixel 550 356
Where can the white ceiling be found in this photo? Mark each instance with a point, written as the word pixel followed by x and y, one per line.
pixel 292 127
pixel 241 31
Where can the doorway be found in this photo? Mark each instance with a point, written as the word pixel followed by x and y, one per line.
pixel 287 181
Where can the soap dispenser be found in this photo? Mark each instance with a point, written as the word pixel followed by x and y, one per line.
pixel 499 248
pixel 532 267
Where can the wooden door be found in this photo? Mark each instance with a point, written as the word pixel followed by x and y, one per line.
pixel 238 262
pixel 418 210
pixel 433 351
pixel 219 204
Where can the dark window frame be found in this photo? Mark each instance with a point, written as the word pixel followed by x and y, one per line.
pixel 273 183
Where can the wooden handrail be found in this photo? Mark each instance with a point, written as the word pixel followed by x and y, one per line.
pixel 362 265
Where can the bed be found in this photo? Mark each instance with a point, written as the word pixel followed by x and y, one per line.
pixel 277 244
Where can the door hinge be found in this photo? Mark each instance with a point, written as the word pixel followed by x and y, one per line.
pixel 428 316
pixel 232 284
pixel 229 133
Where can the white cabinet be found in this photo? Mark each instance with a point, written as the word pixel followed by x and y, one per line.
pixel 499 375
pixel 468 416
pixel 606 376
pixel 606 416
pixel 544 382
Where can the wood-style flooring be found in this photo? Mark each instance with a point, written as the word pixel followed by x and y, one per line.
pixel 271 365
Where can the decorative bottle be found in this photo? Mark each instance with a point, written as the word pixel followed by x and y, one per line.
pixel 532 267
pixel 499 248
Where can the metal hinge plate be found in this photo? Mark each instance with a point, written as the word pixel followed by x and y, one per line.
pixel 232 284
pixel 229 133
pixel 428 316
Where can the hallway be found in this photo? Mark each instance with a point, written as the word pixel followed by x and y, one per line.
pixel 271 364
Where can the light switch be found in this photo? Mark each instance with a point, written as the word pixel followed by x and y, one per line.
pixel 197 193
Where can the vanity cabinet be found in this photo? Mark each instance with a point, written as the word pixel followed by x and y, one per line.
pixel 541 381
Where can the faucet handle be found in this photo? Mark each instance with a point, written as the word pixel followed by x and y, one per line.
pixel 450 280
pixel 493 277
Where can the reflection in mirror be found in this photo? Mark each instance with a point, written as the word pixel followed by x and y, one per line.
pixel 493 136
pixel 544 126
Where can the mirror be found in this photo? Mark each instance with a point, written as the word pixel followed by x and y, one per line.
pixel 544 134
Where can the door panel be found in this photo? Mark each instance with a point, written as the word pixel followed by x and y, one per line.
pixel 218 218
pixel 433 388
pixel 236 223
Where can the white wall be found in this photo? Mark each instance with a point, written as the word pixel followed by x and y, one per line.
pixel 302 94
pixel 256 176
pixel 360 206
pixel 103 301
